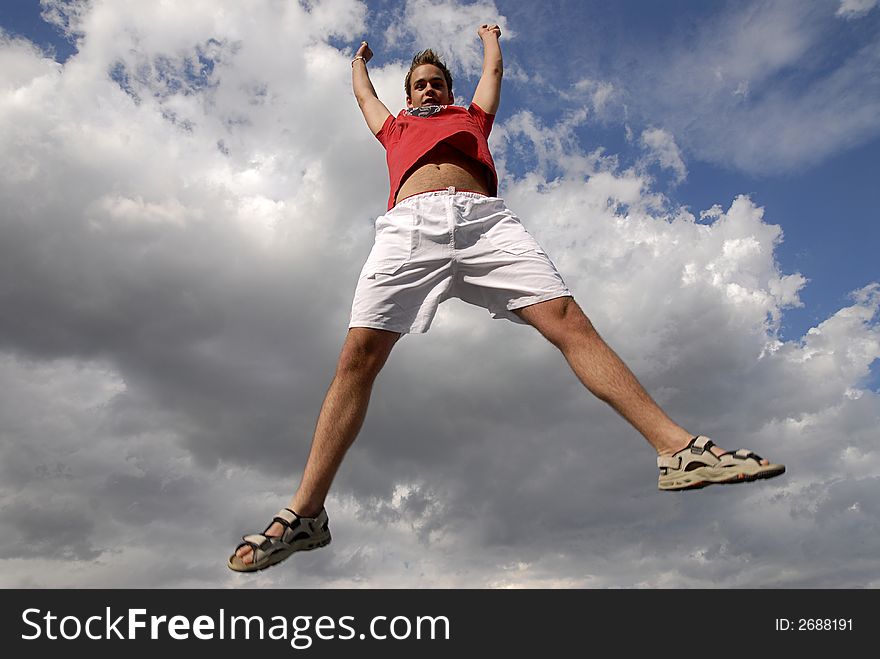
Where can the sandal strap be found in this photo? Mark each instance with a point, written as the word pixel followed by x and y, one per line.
pixel 256 541
pixel 291 521
pixel 668 461
pixel 282 517
pixel 296 525
pixel 698 446
pixel 269 545
pixel 742 454
pixel 286 516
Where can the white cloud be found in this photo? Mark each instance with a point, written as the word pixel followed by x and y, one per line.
pixel 661 147
pixel 850 9
pixel 178 256
pixel 598 97
pixel 600 93
pixel 552 150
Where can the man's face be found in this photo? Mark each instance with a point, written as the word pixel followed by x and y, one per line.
pixel 427 86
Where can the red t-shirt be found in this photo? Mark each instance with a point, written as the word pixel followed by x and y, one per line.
pixel 408 138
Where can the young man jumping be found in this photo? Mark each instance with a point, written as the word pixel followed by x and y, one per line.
pixel 447 234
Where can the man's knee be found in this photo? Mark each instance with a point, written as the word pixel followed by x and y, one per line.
pixel 365 351
pixel 560 320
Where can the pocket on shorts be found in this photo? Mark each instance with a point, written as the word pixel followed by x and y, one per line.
pixel 394 244
pixel 509 235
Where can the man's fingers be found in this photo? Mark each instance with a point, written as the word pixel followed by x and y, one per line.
pixel 364 51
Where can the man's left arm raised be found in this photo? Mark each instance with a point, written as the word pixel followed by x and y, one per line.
pixel 488 92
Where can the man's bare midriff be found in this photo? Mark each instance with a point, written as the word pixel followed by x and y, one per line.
pixel 442 167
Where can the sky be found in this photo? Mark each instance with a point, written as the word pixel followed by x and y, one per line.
pixel 187 196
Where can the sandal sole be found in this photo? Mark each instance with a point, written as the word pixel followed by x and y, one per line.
pixel 705 476
pixel 693 480
pixel 770 471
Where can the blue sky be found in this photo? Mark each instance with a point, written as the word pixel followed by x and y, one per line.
pixel 24 18
pixel 188 195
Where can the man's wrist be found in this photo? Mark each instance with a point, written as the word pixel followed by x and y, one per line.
pixel 359 57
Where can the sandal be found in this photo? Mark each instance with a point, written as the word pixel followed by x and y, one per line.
pixel 696 466
pixel 300 534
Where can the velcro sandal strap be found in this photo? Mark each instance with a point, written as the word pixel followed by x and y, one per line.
pixel 745 454
pixel 700 444
pixel 287 515
pixel 255 539
pixel 697 446
pixel 668 461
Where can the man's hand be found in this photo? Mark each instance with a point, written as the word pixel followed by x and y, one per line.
pixel 364 51
pixel 488 28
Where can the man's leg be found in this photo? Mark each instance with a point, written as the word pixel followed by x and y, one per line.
pixel 562 322
pixel 342 414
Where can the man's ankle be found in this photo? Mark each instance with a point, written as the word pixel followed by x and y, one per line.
pixel 306 511
pixel 674 446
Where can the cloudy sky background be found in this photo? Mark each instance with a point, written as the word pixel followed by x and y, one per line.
pixel 187 194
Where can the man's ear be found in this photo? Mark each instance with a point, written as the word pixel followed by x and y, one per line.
pixel 451 98
pixel 408 102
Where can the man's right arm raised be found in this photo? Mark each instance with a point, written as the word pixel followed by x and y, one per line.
pixel 374 111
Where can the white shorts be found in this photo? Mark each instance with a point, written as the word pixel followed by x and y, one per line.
pixel 437 245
